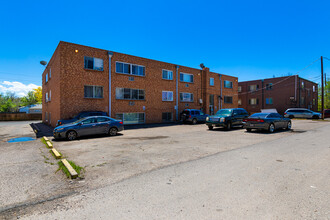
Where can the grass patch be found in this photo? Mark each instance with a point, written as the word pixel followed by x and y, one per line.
pixel 66 171
pixel 45 142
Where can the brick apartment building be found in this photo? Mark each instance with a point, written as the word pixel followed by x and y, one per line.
pixel 278 93
pixel 136 89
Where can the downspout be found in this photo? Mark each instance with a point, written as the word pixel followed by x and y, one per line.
pixel 295 88
pixel 220 99
pixel 177 94
pixel 110 56
pixel 262 94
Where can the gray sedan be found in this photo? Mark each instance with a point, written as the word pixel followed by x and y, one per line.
pixel 89 126
pixel 266 121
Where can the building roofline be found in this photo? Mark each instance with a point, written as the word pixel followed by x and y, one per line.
pixel 111 51
pixel 277 78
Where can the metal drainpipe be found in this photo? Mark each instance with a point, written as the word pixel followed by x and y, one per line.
pixel 220 103
pixel 110 56
pixel 177 94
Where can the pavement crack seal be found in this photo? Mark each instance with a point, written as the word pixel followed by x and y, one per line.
pixel 12 209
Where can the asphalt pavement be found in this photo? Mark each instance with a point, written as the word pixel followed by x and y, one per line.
pixel 285 178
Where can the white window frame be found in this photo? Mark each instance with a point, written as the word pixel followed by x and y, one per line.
pixel 239 101
pixel 187 74
pixel 239 88
pixel 94 86
pixel 46 77
pixel 50 95
pixel 211 81
pixel 185 93
pixel 167 74
pixel 131 91
pixel 94 64
pixel 144 121
pixel 255 99
pixel 131 69
pixel 231 83
pixel 253 90
pixel 46 97
pixel 313 88
pixel 167 92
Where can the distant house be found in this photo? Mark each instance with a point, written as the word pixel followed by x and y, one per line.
pixel 32 109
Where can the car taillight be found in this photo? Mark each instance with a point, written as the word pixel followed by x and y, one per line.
pixel 60 123
pixel 189 116
pixel 254 119
pixel 120 122
pixel 285 113
pixel 260 120
pixel 245 120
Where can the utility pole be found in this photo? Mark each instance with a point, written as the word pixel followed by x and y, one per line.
pixel 322 92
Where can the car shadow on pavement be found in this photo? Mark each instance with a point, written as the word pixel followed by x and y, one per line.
pixel 267 132
pixel 96 136
pixel 156 125
pixel 42 129
pixel 217 129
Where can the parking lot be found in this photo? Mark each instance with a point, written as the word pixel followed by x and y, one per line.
pixel 134 151
pixel 28 171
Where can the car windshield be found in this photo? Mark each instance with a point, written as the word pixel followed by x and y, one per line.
pixel 225 112
pixel 259 115
pixel 80 120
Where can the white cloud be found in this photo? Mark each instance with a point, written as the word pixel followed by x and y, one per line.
pixel 18 88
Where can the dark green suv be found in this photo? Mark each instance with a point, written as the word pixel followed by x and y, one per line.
pixel 227 118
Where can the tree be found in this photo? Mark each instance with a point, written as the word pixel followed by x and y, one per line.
pixel 38 94
pixel 29 99
pixel 326 96
pixel 9 103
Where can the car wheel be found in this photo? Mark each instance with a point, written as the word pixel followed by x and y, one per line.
pixel 288 126
pixel 248 129
pixel 210 127
pixel 71 135
pixel 113 131
pixel 194 121
pixel 291 116
pixel 271 128
pixel 229 125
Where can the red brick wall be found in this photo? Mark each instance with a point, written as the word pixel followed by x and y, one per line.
pixel 283 88
pixel 70 78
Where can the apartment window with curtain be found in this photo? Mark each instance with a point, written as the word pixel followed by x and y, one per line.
pixel 186 77
pixel 167 96
pixel 239 89
pixel 239 102
pixel 167 74
pixel 253 88
pixel 253 101
pixel 130 69
pixel 269 101
pixel 95 92
pixel 93 63
pixel 130 94
pixel 186 97
pixel 228 84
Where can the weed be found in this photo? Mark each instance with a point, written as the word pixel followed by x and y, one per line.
pixel 66 171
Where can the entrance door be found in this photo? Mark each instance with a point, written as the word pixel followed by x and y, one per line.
pixel 211 106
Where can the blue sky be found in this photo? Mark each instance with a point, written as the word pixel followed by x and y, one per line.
pixel 247 39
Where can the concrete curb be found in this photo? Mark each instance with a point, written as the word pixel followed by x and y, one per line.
pixel 56 154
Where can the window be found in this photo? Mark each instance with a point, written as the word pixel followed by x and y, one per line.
pixel 302 100
pixel 253 88
pixel 102 119
pixel 130 94
pixel 131 118
pixel 50 95
pixel 46 96
pixel 46 76
pixel 132 69
pixel 88 121
pixel 46 116
pixel 167 116
pixel 269 86
pixel 228 84
pixel 167 74
pixel 167 96
pixel 239 89
pixel 253 101
pixel 185 77
pixel 302 85
pixel 93 92
pixel 93 63
pixel 313 88
pixel 228 99
pixel 50 73
pixel 186 97
pixel 269 101
pixel 239 102
pixel 211 81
